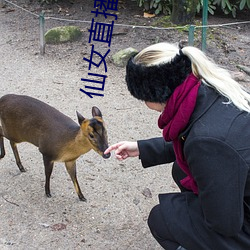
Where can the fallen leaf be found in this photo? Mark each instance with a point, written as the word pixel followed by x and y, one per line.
pixel 58 227
pixel 147 15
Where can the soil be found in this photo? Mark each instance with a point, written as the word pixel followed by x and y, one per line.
pixel 119 195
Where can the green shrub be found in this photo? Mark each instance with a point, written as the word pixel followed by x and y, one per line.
pixel 156 6
pixel 165 6
pixel 227 6
pixel 211 7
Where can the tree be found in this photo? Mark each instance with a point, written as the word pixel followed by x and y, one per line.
pixel 183 11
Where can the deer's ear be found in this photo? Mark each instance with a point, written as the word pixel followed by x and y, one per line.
pixel 96 112
pixel 80 118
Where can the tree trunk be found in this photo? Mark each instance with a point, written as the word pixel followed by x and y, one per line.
pixel 183 11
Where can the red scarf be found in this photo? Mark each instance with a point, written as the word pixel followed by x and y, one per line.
pixel 175 118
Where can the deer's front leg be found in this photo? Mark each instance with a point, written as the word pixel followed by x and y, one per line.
pixel 48 165
pixel 71 168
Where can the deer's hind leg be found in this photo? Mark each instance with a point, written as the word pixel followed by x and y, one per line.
pixel 18 161
pixel 71 168
pixel 1 144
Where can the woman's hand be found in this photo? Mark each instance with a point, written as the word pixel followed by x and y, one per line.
pixel 124 150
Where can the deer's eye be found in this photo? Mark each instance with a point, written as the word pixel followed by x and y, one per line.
pixel 91 136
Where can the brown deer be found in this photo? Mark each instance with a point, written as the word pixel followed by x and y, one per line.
pixel 59 139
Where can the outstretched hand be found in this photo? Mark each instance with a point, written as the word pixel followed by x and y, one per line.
pixel 124 150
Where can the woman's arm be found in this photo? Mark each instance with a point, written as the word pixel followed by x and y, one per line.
pixel 155 151
pixel 151 152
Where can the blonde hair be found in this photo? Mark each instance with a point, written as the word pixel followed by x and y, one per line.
pixel 202 67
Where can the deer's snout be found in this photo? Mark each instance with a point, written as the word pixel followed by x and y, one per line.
pixel 106 156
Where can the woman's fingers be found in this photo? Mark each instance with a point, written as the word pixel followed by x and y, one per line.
pixel 113 147
pixel 124 149
pixel 121 148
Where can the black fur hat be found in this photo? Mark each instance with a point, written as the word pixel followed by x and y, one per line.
pixel 156 83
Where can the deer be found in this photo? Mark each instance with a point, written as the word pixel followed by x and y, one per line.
pixel 58 137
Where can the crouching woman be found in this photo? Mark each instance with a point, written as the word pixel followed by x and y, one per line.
pixel 205 119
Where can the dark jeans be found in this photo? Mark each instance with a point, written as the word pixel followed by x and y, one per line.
pixel 156 222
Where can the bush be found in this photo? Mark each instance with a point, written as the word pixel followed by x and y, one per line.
pixel 227 6
pixel 165 6
pixel 156 6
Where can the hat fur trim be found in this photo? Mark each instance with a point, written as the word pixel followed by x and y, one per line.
pixel 156 83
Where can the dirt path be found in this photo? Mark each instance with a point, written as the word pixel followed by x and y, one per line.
pixel 115 214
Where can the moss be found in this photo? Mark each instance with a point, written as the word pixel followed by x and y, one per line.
pixel 63 34
pixel 121 58
pixel 163 22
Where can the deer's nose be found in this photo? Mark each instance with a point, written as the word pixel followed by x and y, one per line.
pixel 106 156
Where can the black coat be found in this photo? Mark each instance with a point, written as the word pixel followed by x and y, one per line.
pixel 216 145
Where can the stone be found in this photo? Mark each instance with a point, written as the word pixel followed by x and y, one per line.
pixel 147 193
pixel 2 3
pixel 63 34
pixel 239 76
pixel 121 58
pixel 244 68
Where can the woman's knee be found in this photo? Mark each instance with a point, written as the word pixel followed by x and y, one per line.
pixel 159 229
pixel 153 218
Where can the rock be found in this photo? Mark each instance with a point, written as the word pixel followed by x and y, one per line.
pixel 63 34
pixel 45 225
pixel 239 76
pixel 2 3
pixel 147 193
pixel 136 201
pixel 244 68
pixel 121 58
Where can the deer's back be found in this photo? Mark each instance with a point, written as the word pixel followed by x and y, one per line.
pixel 24 118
